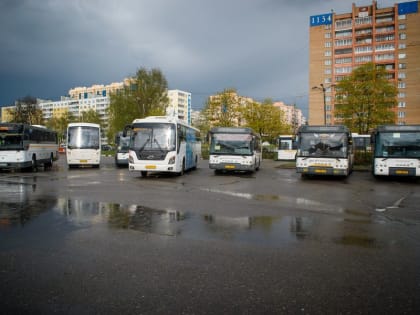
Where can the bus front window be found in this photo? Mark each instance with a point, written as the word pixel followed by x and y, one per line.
pixel 83 138
pixel 398 144
pixel 240 144
pixel 153 137
pixel 322 145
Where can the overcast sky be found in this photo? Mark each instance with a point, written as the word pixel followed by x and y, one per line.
pixel 259 47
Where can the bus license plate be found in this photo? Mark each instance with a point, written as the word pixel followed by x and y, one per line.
pixel 150 167
pixel 230 167
pixel 83 161
pixel 401 172
pixel 319 171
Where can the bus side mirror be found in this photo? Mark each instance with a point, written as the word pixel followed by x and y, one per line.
pixel 126 129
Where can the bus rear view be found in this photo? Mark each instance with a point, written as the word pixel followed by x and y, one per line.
pixel 396 150
pixel 83 144
pixel 324 150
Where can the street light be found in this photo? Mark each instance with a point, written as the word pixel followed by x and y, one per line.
pixel 323 88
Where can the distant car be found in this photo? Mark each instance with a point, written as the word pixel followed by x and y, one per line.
pixel 106 147
pixel 62 148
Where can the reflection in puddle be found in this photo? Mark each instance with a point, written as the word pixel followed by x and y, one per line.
pixel 271 231
pixel 259 229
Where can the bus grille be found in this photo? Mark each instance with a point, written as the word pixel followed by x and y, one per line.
pixel 151 155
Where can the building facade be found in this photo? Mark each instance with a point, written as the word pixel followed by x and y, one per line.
pixel 338 43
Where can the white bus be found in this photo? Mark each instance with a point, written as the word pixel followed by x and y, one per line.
pixel 27 146
pixel 83 144
pixel 396 150
pixel 162 144
pixel 286 147
pixel 234 149
pixel 122 146
pixel 324 150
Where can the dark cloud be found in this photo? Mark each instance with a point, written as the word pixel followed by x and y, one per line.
pixel 258 47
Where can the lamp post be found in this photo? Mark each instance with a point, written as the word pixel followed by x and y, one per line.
pixel 323 88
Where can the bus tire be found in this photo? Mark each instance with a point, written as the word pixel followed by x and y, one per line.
pixel 49 164
pixel 34 165
pixel 182 168
pixel 143 173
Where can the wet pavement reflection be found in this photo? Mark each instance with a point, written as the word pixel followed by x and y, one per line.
pixel 20 205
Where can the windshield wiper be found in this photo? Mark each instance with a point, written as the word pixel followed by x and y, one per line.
pixel 142 147
pixel 159 146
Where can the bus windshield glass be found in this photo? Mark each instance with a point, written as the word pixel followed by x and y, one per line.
pixel 11 137
pixel 153 136
pixel 124 144
pixel 323 144
pixel 398 144
pixel 235 144
pixel 83 137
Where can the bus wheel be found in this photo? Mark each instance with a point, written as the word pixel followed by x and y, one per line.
pixel 34 165
pixel 143 173
pixel 49 164
pixel 182 168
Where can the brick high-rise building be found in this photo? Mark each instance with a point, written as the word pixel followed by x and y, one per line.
pixel 338 43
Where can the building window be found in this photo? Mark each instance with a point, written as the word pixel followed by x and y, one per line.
pixel 328 44
pixel 401 56
pixel 328 53
pixel 401 75
pixel 343 60
pixel 327 80
pixel 360 59
pixel 402 46
pixel 327 71
pixel 401 85
pixel 401 95
pixel 340 24
pixel 401 104
pixel 327 62
pixel 402 17
pixel 401 27
pixel 327 35
pixel 384 47
pixel 343 42
pixel 401 114
pixel 402 66
pixel 402 36
pixel 363 49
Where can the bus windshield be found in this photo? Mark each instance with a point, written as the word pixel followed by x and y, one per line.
pixel 153 136
pixel 398 144
pixel 123 144
pixel 83 137
pixel 323 144
pixel 235 144
pixel 11 137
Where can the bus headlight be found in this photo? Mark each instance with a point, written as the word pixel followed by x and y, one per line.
pixel 172 160
pixel 130 159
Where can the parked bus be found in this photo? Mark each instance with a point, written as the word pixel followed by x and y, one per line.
pixel 122 146
pixel 361 143
pixel 27 146
pixel 234 149
pixel 162 144
pixel 286 147
pixel 324 150
pixel 396 150
pixel 83 145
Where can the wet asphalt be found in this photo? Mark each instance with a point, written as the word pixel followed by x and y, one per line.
pixel 106 241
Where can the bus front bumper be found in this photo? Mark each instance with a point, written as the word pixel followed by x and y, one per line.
pixel 231 167
pixel 315 170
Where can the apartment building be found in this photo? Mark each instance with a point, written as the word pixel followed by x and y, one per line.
pixel 338 43
pixel 180 104
pixel 291 115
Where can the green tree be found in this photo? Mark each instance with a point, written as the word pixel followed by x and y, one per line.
pixel 27 111
pixel 146 95
pixel 91 116
pixel 222 110
pixel 365 99
pixel 59 124
pixel 265 119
